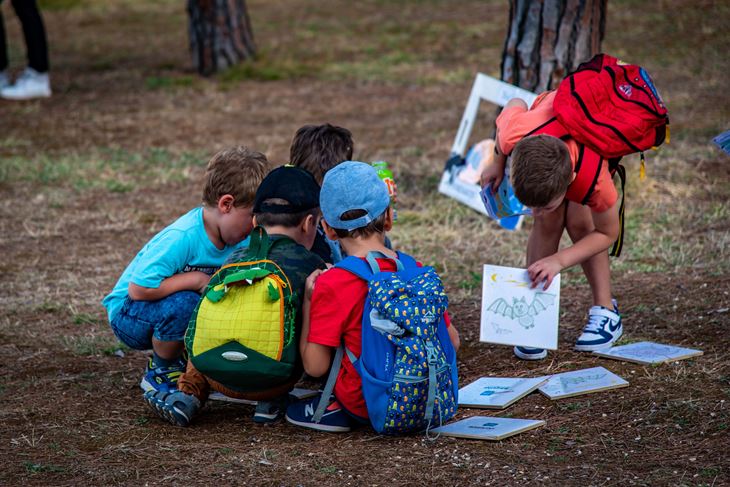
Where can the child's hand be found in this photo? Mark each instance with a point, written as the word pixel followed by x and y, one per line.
pixel 492 175
pixel 544 270
pixel 309 284
pixel 201 280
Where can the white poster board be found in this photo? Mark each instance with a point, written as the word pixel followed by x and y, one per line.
pixel 487 428
pixel 494 91
pixel 514 314
pixel 648 353
pixel 577 382
pixel 497 392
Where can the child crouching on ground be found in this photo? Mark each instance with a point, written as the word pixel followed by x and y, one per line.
pixel 356 212
pixel 151 304
pixel 287 208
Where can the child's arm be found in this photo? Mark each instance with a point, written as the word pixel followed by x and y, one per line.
pixel 454 337
pixel 604 234
pixel 494 172
pixel 316 358
pixel 186 281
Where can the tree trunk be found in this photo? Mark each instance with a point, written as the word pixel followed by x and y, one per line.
pixel 220 34
pixel 548 39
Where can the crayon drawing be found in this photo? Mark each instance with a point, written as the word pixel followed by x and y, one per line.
pixel 514 314
pixel 497 392
pixel 648 353
pixel 579 382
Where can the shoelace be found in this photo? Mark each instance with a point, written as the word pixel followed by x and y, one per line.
pixel 595 323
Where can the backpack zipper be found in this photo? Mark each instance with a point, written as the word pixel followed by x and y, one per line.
pixel 410 379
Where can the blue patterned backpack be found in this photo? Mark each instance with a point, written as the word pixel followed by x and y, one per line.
pixel 408 364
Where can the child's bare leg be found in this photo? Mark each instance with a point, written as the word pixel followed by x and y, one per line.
pixel 168 350
pixel 579 223
pixel 544 238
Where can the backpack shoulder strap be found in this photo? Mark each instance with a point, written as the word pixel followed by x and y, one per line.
pixel 587 170
pixel 550 127
pixel 356 266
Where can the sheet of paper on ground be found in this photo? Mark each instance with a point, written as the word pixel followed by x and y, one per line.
pixel 497 392
pixel 514 314
pixel 577 382
pixel 487 428
pixel 648 353
pixel 465 189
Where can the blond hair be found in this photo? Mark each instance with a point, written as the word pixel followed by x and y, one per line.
pixel 541 170
pixel 237 171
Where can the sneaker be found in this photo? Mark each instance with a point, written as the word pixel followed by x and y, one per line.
pixel 4 80
pixel 528 353
pixel 177 408
pixel 334 419
pixel 270 411
pixel 30 84
pixel 162 379
pixel 604 327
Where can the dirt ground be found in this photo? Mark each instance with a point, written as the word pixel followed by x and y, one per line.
pixel 87 176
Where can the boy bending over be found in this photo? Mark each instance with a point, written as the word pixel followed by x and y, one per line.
pixel 543 168
pixel 356 212
pixel 151 304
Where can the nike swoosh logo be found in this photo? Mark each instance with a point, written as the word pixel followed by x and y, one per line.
pixel 612 326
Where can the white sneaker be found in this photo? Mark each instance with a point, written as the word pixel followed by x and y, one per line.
pixel 30 84
pixel 4 80
pixel 603 329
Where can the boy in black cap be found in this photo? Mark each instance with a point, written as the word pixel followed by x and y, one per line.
pixel 286 207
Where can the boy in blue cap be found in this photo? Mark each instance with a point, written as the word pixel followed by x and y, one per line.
pixel 356 212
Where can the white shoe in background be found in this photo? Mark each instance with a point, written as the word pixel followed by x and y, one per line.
pixel 30 84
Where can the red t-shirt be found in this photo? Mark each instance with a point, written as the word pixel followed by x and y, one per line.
pixel 335 316
pixel 515 122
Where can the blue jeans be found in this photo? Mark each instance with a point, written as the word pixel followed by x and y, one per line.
pixel 166 320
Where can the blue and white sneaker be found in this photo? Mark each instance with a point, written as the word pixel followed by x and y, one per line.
pixel 334 419
pixel 528 353
pixel 604 328
pixel 162 379
pixel 177 408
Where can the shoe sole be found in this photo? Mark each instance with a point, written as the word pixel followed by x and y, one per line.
pixel 600 346
pixel 265 418
pixel 320 427
pixel 166 412
pixel 531 356
pixel 24 98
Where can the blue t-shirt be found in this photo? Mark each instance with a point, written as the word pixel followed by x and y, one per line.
pixel 181 247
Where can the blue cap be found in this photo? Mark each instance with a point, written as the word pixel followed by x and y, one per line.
pixel 352 185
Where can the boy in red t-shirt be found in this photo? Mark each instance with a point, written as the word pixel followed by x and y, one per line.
pixel 356 211
pixel 542 169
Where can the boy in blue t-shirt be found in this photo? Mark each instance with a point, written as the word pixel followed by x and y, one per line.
pixel 151 304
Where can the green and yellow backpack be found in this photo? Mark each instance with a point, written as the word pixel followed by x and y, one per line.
pixel 242 333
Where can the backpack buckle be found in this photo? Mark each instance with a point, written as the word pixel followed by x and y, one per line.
pixel 431 354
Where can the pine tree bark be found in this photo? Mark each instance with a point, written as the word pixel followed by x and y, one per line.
pixel 220 34
pixel 548 39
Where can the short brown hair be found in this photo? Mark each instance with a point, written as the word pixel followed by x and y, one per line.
pixel 375 226
pixel 237 171
pixel 319 148
pixel 287 220
pixel 541 170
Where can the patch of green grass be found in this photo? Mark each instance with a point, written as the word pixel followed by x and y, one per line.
pixel 710 471
pixel 168 82
pixel 35 468
pixel 329 469
pixel 85 319
pixel 60 4
pixel 89 345
pixel 141 420
pixel 267 68
pixel 471 281
pixel 112 169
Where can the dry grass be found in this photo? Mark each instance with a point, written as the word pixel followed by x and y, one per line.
pixel 89 175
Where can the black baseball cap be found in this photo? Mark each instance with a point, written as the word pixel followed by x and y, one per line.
pixel 289 183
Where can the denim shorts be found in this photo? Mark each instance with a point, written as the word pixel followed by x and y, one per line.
pixel 167 319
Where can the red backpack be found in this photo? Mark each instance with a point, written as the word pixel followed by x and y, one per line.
pixel 611 109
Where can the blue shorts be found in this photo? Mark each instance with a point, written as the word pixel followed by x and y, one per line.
pixel 167 319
